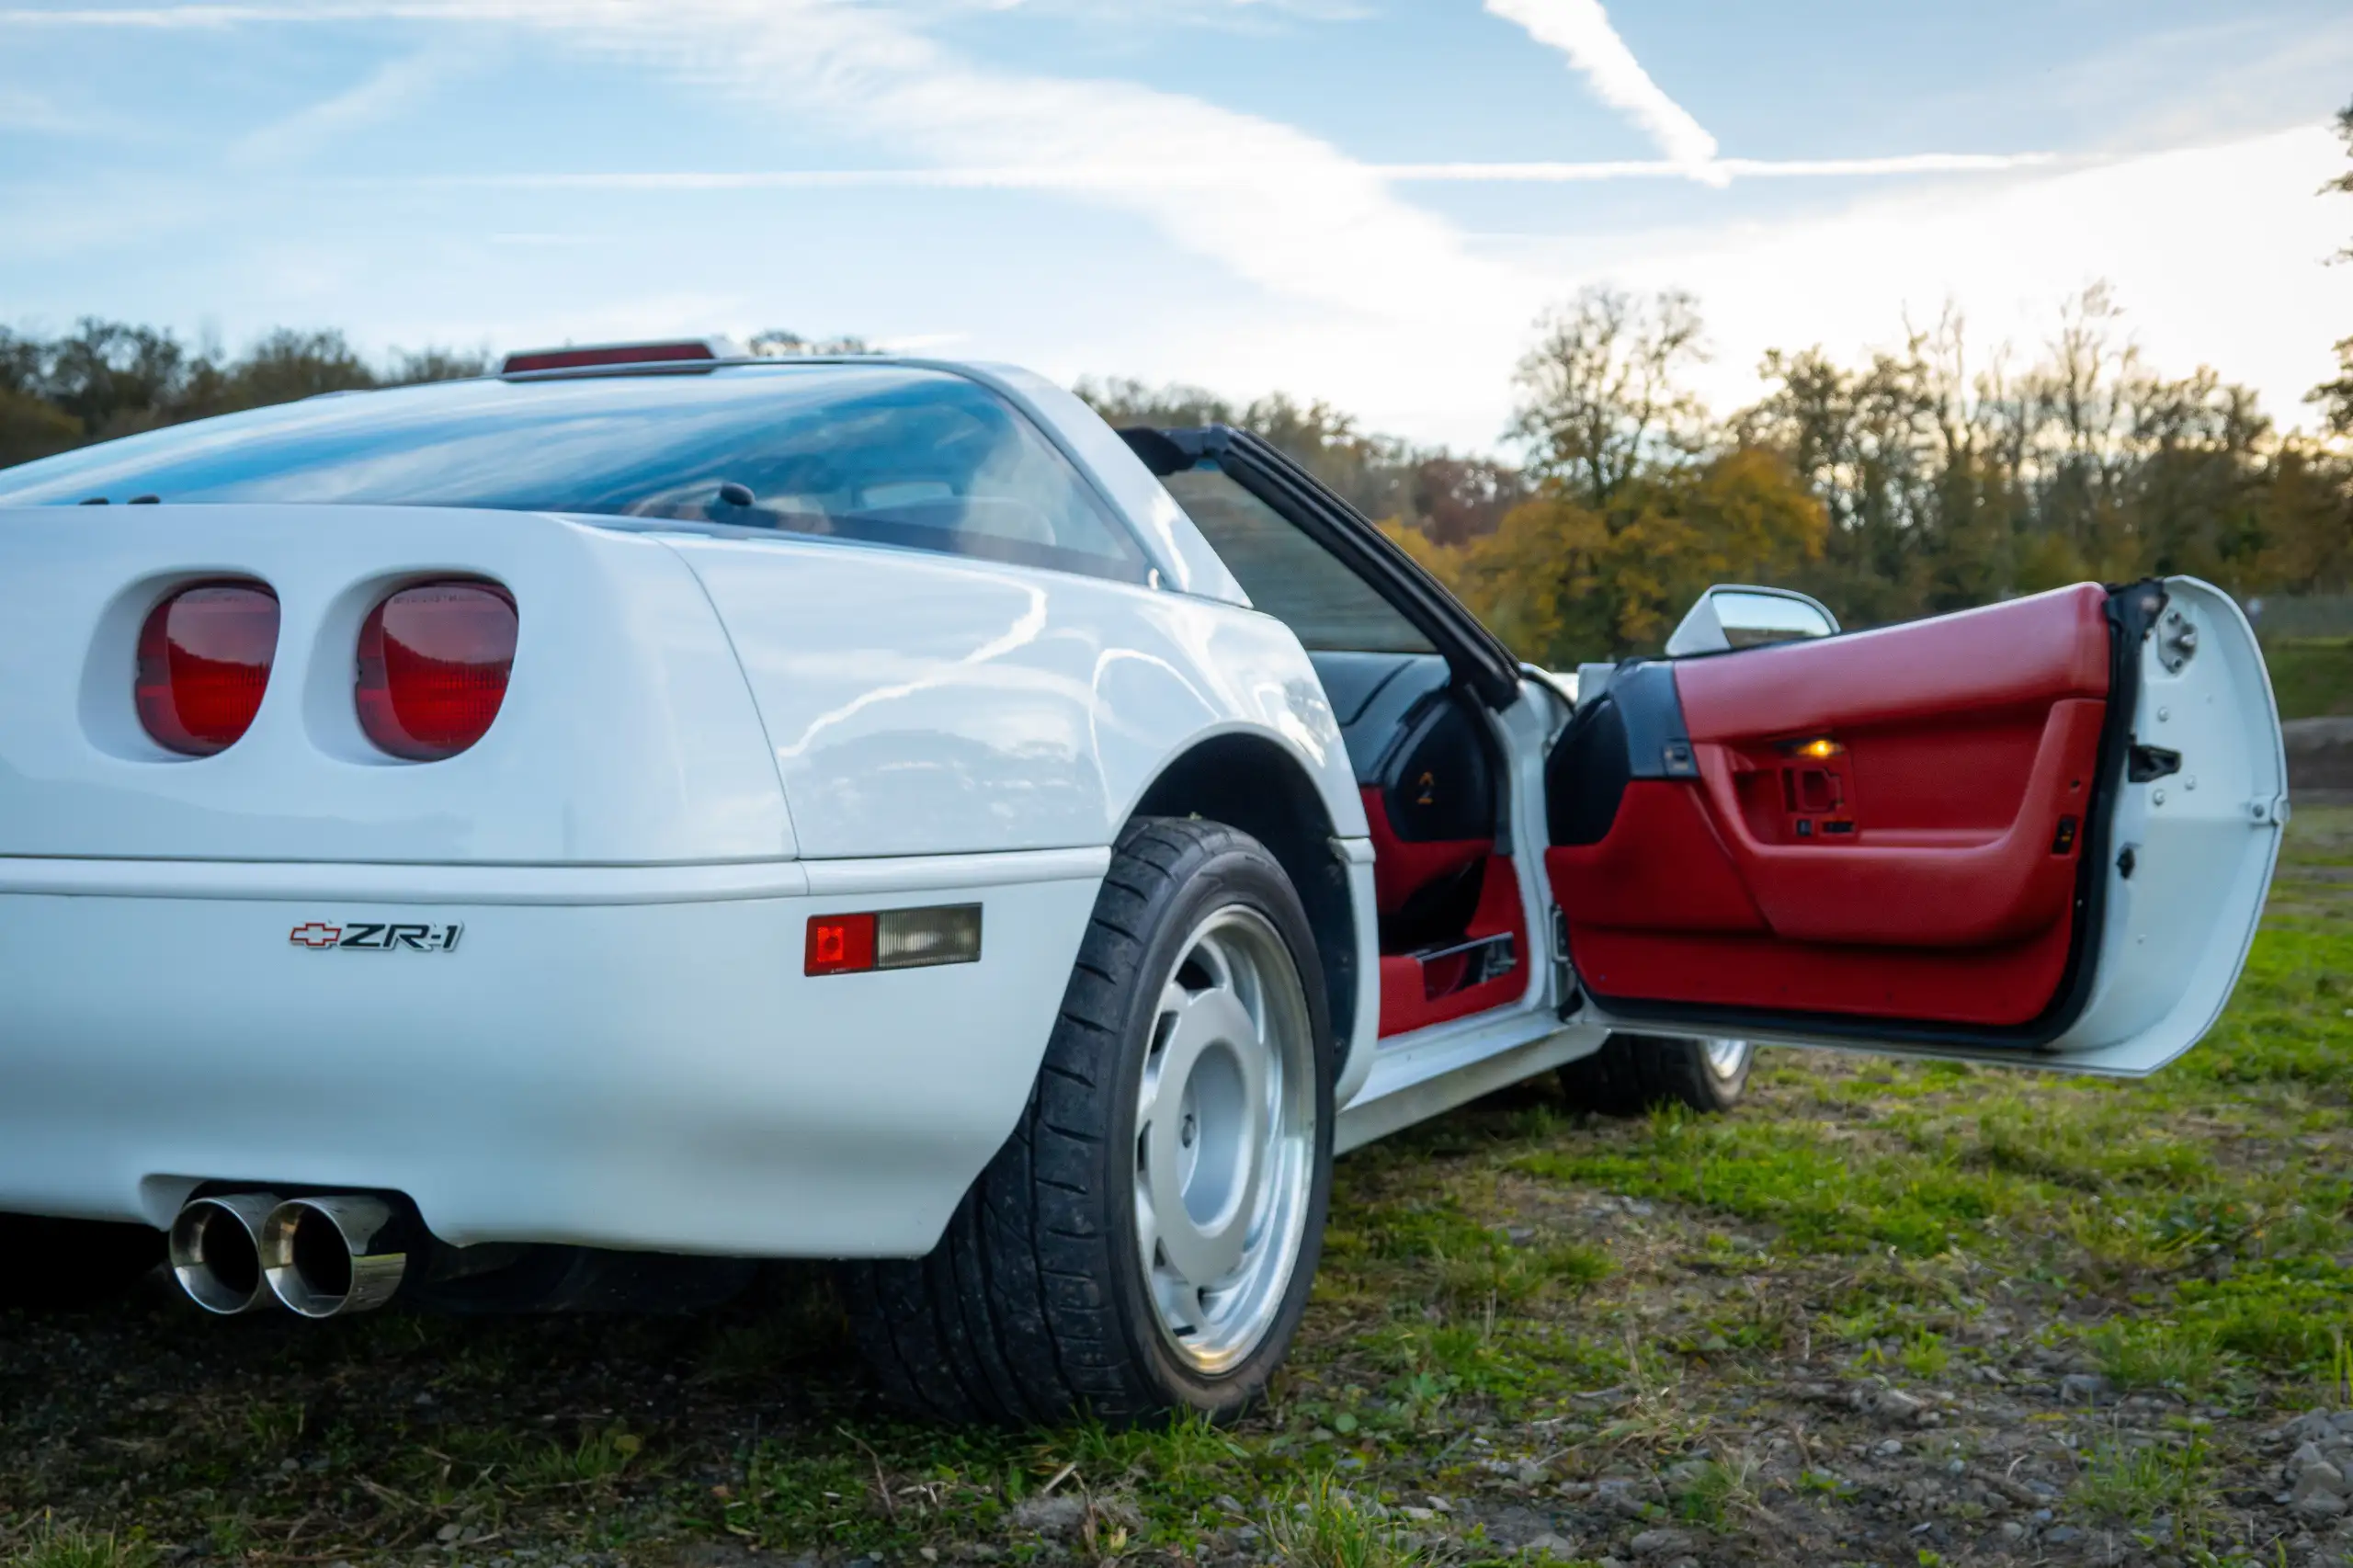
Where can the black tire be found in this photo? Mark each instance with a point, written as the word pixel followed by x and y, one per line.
pixel 1631 1072
pixel 59 1265
pixel 1033 1307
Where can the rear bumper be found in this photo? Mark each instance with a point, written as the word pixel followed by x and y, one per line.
pixel 624 1057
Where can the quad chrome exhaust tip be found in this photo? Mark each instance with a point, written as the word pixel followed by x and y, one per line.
pixel 215 1250
pixel 319 1256
pixel 326 1256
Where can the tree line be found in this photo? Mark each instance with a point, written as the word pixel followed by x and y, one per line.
pixel 1937 475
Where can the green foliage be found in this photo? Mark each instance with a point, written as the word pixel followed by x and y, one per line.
pixel 109 379
pixel 2288 1020
pixel 1790 1175
pixel 52 1545
pixel 2092 1148
pixel 2154 1354
pixel 1910 485
pixel 2311 677
pixel 1435 496
pixel 1716 1493
pixel 2137 1485
pixel 2289 1315
pixel 598 1457
pixel 1316 1523
pixel 1925 1356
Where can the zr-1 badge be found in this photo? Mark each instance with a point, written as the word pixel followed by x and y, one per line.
pixel 369 936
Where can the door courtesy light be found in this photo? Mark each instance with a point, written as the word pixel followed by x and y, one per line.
pixel 1821 750
pixel 893 939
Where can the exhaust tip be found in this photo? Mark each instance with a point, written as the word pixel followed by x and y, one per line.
pixel 215 1250
pixel 326 1256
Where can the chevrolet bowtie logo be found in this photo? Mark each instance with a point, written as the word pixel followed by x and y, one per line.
pixel 376 937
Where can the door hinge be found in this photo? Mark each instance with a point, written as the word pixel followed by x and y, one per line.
pixel 2271 812
pixel 1564 975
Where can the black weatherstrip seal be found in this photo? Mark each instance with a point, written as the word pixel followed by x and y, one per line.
pixel 2133 610
pixel 1472 652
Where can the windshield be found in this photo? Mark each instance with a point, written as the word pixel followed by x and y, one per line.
pixel 887 454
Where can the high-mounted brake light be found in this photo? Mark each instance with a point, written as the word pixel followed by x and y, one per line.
pixel 433 661
pixel 678 353
pixel 893 939
pixel 204 658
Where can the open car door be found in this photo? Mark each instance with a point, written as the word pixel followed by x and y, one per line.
pixel 2037 833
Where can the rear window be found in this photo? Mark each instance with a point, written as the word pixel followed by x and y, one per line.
pixel 884 454
pixel 1288 574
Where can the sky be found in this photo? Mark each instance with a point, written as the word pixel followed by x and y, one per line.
pixel 1368 201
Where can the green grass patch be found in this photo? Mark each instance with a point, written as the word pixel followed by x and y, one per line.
pixel 2187 1358
pixel 2311 676
pixel 1467 1267
pixel 2137 1485
pixel 2289 1021
pixel 597 1458
pixel 52 1545
pixel 1316 1523
pixel 1795 1175
pixel 2290 1315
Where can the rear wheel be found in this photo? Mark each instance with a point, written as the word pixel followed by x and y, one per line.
pixel 1632 1073
pixel 1145 1240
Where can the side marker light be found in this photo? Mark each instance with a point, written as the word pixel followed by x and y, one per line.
pixel 893 939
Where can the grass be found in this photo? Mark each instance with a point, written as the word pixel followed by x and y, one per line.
pixel 1316 1523
pixel 52 1545
pixel 2311 676
pixel 2140 1484
pixel 1530 1327
pixel 2154 1354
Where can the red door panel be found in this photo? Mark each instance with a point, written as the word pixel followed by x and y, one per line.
pixel 1960 886
pixel 1419 990
pixel 2031 650
pixel 1884 825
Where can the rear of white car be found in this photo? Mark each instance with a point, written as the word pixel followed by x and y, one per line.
pixel 553 840
pixel 552 988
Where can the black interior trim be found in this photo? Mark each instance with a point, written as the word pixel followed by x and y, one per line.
pixel 1635 729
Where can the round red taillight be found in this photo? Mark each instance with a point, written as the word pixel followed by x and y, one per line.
pixel 433 667
pixel 204 657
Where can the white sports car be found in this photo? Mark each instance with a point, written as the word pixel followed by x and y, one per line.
pixel 551 840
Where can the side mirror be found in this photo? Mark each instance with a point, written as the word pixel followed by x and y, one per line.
pixel 1732 616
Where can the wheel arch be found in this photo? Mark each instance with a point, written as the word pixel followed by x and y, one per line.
pixel 1251 782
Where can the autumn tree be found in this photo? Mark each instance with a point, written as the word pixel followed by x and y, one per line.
pixel 2336 397
pixel 107 378
pixel 1601 394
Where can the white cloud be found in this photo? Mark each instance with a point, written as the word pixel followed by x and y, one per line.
pixel 388 91
pixel 1387 309
pixel 2216 254
pixel 1289 212
pixel 1097 177
pixel 1581 30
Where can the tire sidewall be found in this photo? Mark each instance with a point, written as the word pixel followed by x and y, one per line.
pixel 1239 873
